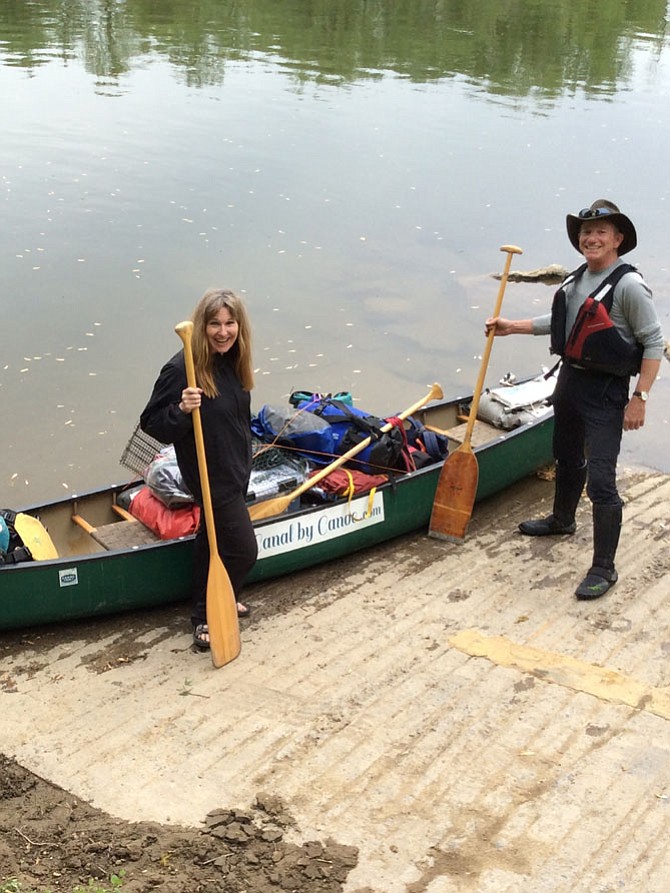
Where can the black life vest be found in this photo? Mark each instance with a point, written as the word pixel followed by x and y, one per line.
pixel 594 342
pixel 17 550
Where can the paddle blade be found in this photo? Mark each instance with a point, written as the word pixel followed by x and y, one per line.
pixel 455 496
pixel 224 627
pixel 35 537
pixel 269 507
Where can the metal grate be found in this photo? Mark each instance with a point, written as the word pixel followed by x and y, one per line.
pixel 140 451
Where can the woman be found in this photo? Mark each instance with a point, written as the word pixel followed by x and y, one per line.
pixel 221 345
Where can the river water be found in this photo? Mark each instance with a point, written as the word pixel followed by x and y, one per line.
pixel 352 168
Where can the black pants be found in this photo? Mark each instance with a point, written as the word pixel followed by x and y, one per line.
pixel 588 424
pixel 236 542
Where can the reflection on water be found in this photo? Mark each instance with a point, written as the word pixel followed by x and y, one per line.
pixel 513 49
pixel 353 168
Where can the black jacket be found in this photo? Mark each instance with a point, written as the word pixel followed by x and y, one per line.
pixel 225 425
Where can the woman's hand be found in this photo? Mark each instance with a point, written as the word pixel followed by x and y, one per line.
pixel 191 398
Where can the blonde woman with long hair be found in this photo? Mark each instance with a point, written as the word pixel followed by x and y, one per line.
pixel 221 346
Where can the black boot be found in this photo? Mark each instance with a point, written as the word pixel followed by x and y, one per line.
pixel 602 575
pixel 569 485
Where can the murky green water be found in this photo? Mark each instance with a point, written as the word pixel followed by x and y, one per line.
pixel 352 167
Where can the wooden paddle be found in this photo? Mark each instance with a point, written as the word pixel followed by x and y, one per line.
pixel 457 486
pixel 279 504
pixel 35 537
pixel 224 627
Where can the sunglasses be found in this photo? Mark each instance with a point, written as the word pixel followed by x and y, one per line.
pixel 587 213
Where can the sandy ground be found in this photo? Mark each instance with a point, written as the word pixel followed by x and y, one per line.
pixel 451 711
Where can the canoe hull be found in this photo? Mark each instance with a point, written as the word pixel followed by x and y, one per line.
pixel 102 583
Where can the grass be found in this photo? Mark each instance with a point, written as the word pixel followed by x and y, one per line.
pixel 11 885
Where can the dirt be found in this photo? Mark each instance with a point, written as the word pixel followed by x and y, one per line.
pixel 52 840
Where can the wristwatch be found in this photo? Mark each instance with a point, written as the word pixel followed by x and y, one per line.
pixel 643 395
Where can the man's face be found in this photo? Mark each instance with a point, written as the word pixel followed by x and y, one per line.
pixel 599 242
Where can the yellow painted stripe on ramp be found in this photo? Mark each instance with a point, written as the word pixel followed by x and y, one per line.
pixel 608 685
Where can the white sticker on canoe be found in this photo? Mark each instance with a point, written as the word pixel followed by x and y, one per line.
pixel 68 577
pixel 287 534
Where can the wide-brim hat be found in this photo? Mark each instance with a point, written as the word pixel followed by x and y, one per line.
pixel 609 211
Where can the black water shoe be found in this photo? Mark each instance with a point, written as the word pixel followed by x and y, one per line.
pixel 201 637
pixel 548 526
pixel 596 583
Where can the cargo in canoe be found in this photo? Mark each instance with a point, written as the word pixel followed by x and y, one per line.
pixel 109 562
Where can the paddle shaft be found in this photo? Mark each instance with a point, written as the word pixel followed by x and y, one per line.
pixel 270 507
pixel 185 332
pixel 459 478
pixel 224 630
pixel 474 406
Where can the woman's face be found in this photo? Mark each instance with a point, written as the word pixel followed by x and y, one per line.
pixel 222 331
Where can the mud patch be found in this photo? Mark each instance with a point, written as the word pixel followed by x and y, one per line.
pixel 51 838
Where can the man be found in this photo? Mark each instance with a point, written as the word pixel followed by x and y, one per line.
pixel 604 326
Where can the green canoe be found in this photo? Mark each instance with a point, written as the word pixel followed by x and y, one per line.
pixel 108 563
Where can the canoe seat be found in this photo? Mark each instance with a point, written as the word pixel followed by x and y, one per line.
pixel 481 433
pixel 125 534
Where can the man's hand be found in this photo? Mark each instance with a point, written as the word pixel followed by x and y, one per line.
pixel 633 417
pixel 501 326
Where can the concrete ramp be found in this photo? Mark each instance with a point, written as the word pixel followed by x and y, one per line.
pixel 450 710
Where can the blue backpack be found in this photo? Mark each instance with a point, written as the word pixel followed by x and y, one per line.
pixel 350 425
pixel 323 428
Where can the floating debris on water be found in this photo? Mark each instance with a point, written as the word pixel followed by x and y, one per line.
pixel 551 274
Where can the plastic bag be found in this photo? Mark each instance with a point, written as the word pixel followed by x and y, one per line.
pixel 300 430
pixel 164 479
